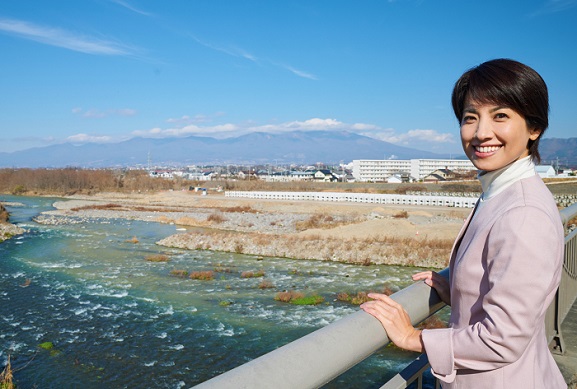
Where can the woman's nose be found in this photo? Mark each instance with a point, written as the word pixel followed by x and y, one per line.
pixel 484 130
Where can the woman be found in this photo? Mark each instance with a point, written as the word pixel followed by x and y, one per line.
pixel 506 263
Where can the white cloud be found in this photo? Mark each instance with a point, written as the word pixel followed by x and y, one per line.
pixel 130 7
pixel 418 135
pixel 424 139
pixel 85 138
pixel 554 6
pixel 66 39
pixel 241 53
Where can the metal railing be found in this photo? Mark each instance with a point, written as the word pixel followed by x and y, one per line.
pixel 348 341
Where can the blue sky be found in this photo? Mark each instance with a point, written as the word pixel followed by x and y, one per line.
pixel 109 70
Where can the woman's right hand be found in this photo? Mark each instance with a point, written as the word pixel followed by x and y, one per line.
pixel 437 282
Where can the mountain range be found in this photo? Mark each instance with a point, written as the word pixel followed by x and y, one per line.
pixel 300 147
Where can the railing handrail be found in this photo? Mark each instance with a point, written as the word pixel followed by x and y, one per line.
pixel 568 213
pixel 339 346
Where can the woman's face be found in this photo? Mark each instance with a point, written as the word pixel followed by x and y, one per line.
pixel 494 136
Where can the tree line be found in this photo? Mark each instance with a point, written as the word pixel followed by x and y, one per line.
pixel 69 181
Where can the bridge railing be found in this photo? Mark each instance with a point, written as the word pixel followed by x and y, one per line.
pixel 348 341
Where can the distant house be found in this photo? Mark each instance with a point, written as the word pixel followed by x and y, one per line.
pixel 395 179
pixel 545 171
pixel 399 178
pixel 439 175
pixel 161 174
pixel 200 176
pixel 324 175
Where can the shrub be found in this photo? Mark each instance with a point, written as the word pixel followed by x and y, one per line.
pixel 216 218
pixel 357 299
pixel 157 258
pixel 286 297
pixel 19 189
pixel 265 284
pixel 179 273
pixel 240 209
pixel 298 298
pixel 250 274
pixel 202 275
pixel 401 215
pixel 6 376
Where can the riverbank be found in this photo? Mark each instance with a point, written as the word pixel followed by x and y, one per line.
pixel 8 230
pixel 342 232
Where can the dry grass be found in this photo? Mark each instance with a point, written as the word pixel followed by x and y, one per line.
pixel 216 218
pixel 377 249
pixel 250 274
pixel 324 221
pixel 202 275
pixel 179 273
pixel 6 376
pixel 134 240
pixel 287 296
pixel 265 284
pixel 188 221
pixel 157 258
pixel 401 215
pixel 102 207
pixel 239 209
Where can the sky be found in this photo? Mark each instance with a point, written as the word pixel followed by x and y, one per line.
pixel 110 70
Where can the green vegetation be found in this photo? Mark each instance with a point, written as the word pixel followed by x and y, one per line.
pixel 179 273
pixel 46 345
pixel 49 346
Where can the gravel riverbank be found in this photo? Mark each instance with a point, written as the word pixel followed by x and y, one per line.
pixel 344 232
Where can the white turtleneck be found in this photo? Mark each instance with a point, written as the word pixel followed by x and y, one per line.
pixel 496 181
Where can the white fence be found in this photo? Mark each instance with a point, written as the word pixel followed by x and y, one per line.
pixel 375 198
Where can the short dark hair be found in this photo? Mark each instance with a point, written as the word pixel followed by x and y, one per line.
pixel 511 84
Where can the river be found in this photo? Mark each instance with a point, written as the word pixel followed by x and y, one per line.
pixel 117 320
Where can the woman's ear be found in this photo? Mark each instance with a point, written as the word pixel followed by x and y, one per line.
pixel 534 134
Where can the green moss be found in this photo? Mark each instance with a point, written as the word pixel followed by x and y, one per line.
pixel 46 345
pixel 308 300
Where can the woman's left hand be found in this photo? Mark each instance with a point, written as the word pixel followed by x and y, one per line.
pixel 395 320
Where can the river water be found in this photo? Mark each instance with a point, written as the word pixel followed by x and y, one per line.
pixel 117 320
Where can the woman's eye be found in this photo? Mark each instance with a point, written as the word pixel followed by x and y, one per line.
pixel 468 119
pixel 501 115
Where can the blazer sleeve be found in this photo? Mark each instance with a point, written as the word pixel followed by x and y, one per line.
pixel 521 264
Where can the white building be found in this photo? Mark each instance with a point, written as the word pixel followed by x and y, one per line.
pixel 377 170
pixel 545 171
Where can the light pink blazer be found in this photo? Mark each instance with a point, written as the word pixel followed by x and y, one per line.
pixel 504 271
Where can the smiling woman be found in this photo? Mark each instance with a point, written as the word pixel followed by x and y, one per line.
pixel 505 266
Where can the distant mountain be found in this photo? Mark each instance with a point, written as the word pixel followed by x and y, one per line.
pixel 565 150
pixel 301 147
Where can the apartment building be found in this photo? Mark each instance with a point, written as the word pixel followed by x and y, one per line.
pixel 376 170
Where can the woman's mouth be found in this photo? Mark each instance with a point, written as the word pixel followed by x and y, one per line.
pixel 486 149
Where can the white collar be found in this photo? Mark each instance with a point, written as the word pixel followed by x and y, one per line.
pixel 494 182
